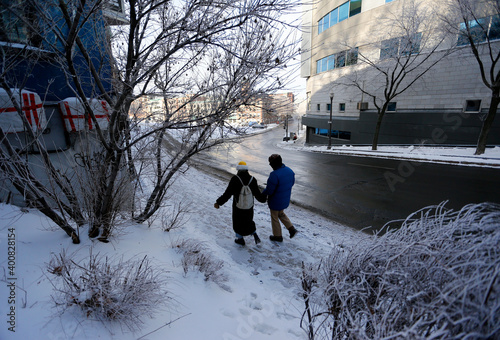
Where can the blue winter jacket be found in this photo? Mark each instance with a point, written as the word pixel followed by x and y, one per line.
pixel 279 188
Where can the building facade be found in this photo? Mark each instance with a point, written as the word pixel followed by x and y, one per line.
pixel 39 81
pixel 266 109
pixel 347 45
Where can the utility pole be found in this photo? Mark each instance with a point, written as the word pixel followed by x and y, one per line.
pixel 330 123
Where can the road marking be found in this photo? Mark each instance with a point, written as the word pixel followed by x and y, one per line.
pixel 372 166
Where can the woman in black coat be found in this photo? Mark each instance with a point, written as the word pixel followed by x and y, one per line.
pixel 243 224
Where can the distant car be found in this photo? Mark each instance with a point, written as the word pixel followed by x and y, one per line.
pixel 258 126
pixel 292 135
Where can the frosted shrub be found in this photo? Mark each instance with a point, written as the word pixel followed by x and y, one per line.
pixel 196 256
pixel 108 290
pixel 434 277
pixel 176 216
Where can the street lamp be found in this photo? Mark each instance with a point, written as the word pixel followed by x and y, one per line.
pixel 330 123
pixel 286 127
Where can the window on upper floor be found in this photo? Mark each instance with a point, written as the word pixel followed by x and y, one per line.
pixel 389 48
pixel 410 45
pixel 340 59
pixel 354 7
pixel 344 11
pixel 16 29
pixel 479 30
pixel 402 46
pixel 352 57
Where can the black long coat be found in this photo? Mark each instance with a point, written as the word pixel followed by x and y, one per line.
pixel 243 223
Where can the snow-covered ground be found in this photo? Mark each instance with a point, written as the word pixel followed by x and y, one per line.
pixel 463 156
pixel 258 300
pixel 257 294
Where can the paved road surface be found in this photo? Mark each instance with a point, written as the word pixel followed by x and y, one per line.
pixel 358 191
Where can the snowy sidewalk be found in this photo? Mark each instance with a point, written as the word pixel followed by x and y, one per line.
pixel 437 154
pixel 259 298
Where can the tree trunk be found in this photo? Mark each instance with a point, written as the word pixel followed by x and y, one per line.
pixel 377 128
pixel 105 207
pixel 488 122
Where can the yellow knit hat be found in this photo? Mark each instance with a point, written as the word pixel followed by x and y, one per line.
pixel 242 166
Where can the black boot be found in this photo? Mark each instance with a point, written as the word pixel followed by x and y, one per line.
pixel 292 231
pixel 256 237
pixel 276 238
pixel 240 241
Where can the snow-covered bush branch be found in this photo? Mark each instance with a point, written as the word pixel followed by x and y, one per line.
pixel 107 289
pixel 434 276
pixel 195 255
pixel 204 60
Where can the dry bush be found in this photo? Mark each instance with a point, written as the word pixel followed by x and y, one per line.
pixel 436 276
pixel 107 289
pixel 176 216
pixel 197 256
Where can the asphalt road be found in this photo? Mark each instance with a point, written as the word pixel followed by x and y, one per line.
pixel 361 192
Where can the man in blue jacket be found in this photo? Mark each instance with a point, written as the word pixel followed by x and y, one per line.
pixel 279 189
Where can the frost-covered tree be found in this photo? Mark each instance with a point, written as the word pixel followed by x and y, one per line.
pixel 477 26
pixel 404 46
pixel 203 59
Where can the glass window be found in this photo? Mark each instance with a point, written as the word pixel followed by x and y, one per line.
pixel 386 1
pixel 342 107
pixel 345 135
pixel 389 48
pixel 322 132
pixel 343 11
pixel 477 31
pixel 391 107
pixel 411 45
pixel 333 133
pixel 472 105
pixel 494 33
pixel 340 60
pixel 328 106
pixel 318 107
pixel 355 7
pixel 352 57
pixel 334 16
pixel 331 62
pixel 326 22
pixel 324 64
pixel 13 23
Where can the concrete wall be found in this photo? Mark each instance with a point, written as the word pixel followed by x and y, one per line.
pixel 442 91
pixel 427 127
pixel 447 86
